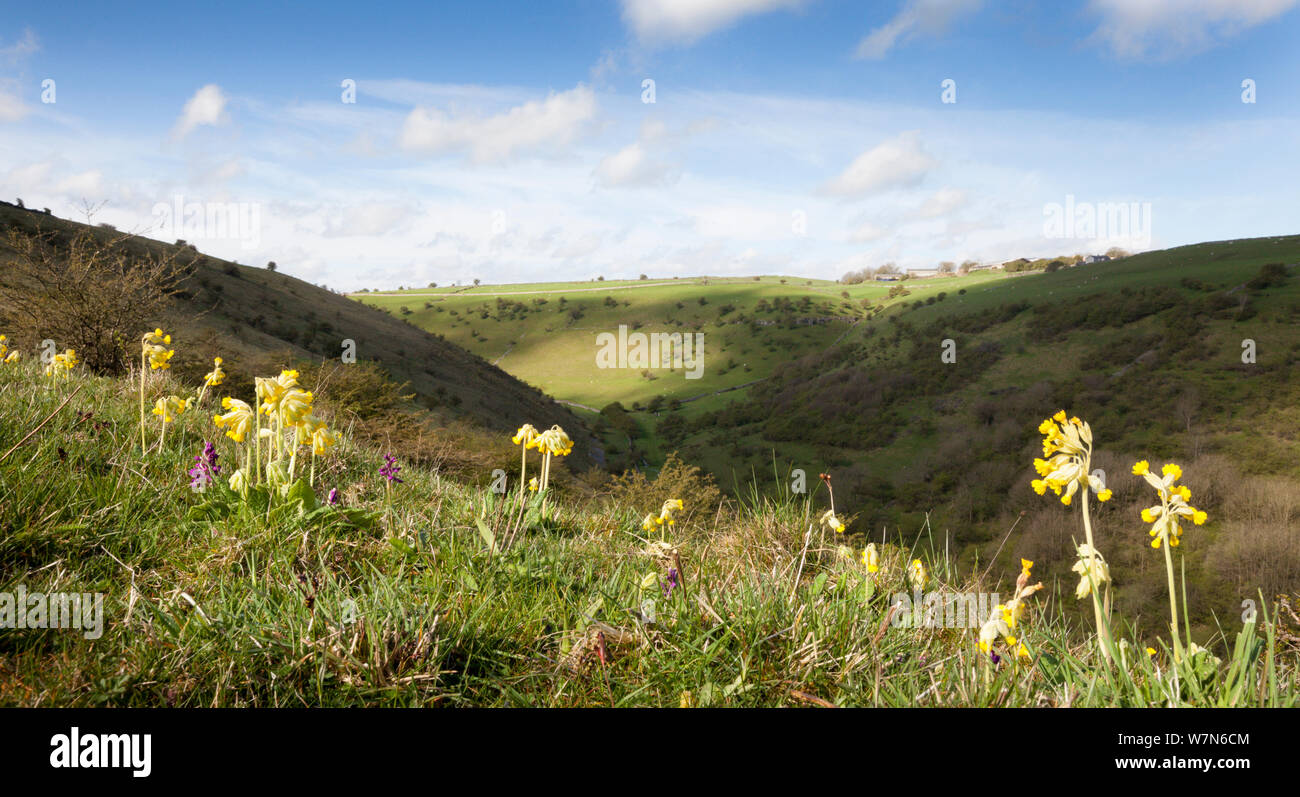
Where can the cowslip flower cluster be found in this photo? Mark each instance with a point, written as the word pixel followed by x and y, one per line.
pixel 524 439
pixel 168 409
pixel 288 410
pixel 831 522
pixel 916 575
pixel 1066 467
pixel 665 514
pixel 1165 526
pixel 871 558
pixel 7 356
pixel 154 354
pixel 1164 518
pixel 212 378
pixel 554 442
pixel 62 364
pixel 1092 569
pixel 1005 616
pixel 154 351
pixel 1067 452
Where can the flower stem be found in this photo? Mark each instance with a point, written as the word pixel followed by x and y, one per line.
pixel 1169 571
pixel 142 438
pixel 1103 632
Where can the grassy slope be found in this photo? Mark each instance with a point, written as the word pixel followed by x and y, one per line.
pixel 248 314
pixel 1151 386
pixel 268 608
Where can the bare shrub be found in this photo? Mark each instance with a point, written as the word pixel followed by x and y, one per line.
pixel 698 491
pixel 85 293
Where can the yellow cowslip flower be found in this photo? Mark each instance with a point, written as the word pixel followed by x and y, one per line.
pixel 871 558
pixel 1151 651
pixel 647 524
pixel 828 520
pixel 1067 460
pixel 994 627
pixel 553 441
pixel 271 390
pixel 1141 468
pixel 238 419
pixel 525 436
pixel 153 347
pixel 844 552
pixel 1025 566
pixel 170 407
pixel 294 406
pixel 532 484
pixel 239 481
pixel 666 511
pixel 216 376
pixel 916 574
pixel 62 363
pixel 322 439
pixel 1164 519
pixel 1090 562
pixel 4 348
pixel 13 356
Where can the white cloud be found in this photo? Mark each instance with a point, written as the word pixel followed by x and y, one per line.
pixel 370 219
pixel 688 20
pixel 532 126
pixel 88 184
pixel 21 48
pixel 930 17
pixel 632 166
pixel 896 163
pixel 206 107
pixel 1163 29
pixel 12 107
pixel 941 203
pixel 867 232
pixel 641 163
pixel 33 176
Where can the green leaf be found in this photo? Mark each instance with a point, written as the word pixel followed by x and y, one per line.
pixel 300 492
pixel 818 583
pixel 486 533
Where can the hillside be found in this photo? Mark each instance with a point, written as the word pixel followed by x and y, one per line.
pixel 1148 348
pixel 252 315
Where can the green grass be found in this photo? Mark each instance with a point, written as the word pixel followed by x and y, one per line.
pixel 401 599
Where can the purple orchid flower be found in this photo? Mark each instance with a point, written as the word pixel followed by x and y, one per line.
pixel 205 469
pixel 390 469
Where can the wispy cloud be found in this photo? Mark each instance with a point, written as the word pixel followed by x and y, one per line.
pixel 534 126
pixel 1165 29
pixel 896 163
pixel 917 17
pixel 20 49
pixel 684 21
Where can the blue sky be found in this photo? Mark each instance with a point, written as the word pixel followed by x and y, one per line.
pixel 510 141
